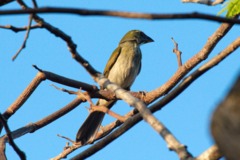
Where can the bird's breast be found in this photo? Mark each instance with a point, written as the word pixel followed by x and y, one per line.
pixel 126 68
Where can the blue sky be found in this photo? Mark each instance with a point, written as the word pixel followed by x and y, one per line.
pixel 187 116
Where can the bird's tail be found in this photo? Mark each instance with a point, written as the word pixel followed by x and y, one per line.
pixel 90 127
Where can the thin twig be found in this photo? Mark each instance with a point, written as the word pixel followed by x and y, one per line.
pixel 177 52
pixel 108 111
pixel 64 137
pixel 18 29
pixel 35 5
pixel 64 90
pixel 25 39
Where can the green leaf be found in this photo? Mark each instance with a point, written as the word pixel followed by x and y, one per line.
pixel 232 7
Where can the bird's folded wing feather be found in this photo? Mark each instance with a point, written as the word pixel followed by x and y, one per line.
pixel 112 61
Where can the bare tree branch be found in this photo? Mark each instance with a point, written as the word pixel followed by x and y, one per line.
pixel 173 143
pixel 206 2
pixel 122 14
pixel 67 81
pixel 19 29
pixel 27 33
pixel 92 90
pixel 211 153
pixel 3 2
pixel 35 5
pixel 3 149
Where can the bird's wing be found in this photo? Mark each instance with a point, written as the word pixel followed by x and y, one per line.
pixel 140 67
pixel 112 61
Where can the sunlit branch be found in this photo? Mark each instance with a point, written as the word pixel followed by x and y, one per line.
pixel 206 2
pixel 211 153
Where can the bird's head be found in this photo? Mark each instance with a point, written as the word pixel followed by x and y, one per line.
pixel 136 35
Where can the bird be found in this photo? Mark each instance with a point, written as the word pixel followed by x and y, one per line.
pixel 122 68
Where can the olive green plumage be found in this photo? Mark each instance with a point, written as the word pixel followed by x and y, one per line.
pixel 122 69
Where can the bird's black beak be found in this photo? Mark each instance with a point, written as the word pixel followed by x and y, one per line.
pixel 146 39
